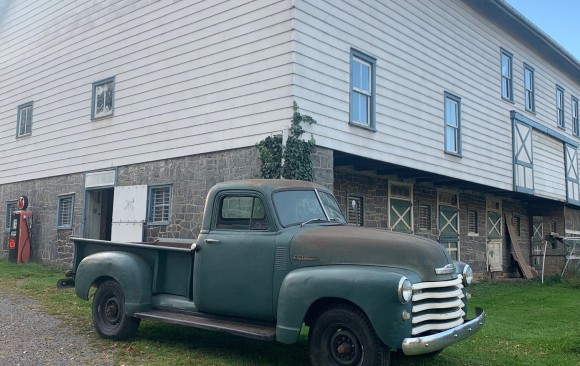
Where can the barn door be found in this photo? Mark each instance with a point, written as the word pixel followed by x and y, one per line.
pixel 523 160
pixel 400 216
pixel 572 181
pixel 401 207
pixel 494 236
pixel 449 230
pixel 537 241
pixel 129 213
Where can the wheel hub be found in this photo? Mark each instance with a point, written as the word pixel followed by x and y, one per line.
pixel 345 348
pixel 112 310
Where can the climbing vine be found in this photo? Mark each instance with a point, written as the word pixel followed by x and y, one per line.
pixel 293 161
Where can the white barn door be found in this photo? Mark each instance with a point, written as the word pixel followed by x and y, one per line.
pixel 129 213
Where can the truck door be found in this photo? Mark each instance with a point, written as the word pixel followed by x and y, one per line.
pixel 234 265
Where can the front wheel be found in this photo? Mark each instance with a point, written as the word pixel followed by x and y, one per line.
pixel 109 316
pixel 342 335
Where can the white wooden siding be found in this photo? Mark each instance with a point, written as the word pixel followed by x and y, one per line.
pixel 190 78
pixel 423 49
pixel 549 168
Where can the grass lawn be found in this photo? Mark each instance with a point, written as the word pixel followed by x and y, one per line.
pixel 527 324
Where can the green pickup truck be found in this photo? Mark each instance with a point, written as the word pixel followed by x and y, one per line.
pixel 273 255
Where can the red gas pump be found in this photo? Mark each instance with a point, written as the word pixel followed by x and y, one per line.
pixel 20 228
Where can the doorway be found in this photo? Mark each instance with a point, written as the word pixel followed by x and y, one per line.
pixel 98 213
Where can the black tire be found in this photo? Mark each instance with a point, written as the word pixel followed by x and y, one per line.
pixel 342 335
pixel 109 318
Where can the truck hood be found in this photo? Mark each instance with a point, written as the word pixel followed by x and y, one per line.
pixel 325 245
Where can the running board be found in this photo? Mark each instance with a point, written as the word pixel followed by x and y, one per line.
pixel 256 331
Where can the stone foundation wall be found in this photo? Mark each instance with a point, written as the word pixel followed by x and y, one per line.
pixel 48 242
pixel 191 178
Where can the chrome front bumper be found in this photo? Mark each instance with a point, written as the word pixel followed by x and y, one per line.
pixel 435 342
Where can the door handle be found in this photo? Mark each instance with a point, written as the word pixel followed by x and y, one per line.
pixel 211 241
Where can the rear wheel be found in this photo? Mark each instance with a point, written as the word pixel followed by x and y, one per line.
pixel 109 316
pixel 342 335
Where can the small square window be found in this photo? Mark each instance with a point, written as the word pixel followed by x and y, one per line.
pixel 355 211
pixel 506 76
pixel 560 107
pixel 362 89
pixel 452 124
pixel 103 98
pixel 159 205
pixel 24 120
pixel 424 217
pixel 65 211
pixel 472 222
pixel 11 206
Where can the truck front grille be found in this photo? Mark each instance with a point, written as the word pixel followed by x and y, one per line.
pixel 437 306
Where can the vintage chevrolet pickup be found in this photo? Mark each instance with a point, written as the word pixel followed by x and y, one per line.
pixel 273 255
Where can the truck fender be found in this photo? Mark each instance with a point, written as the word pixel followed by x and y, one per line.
pixel 131 271
pixel 372 289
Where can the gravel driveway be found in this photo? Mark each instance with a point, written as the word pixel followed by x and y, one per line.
pixel 29 337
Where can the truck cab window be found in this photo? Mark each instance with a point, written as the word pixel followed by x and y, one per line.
pixel 242 213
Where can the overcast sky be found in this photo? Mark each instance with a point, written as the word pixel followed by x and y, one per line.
pixel 560 19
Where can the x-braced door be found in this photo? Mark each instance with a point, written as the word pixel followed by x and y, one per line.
pixel 572 181
pixel 449 230
pixel 494 240
pixel 537 241
pixel 400 216
pixel 523 158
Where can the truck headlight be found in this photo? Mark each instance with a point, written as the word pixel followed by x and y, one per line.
pixel 405 290
pixel 467 275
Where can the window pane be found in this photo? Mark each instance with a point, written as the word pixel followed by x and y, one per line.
pixel 450 139
pixel 528 81
pixel 356 74
pixel 505 66
pixel 355 107
pixel 451 115
pixel 364 108
pixel 365 78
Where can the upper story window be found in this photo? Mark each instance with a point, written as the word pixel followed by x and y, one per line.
pixel 11 206
pixel 65 211
pixel 575 126
pixel 24 120
pixel 362 89
pixel 529 85
pixel 506 75
pixel 159 205
pixel 560 107
pixel 452 124
pixel 103 98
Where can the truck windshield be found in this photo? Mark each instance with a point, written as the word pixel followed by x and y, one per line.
pixel 304 206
